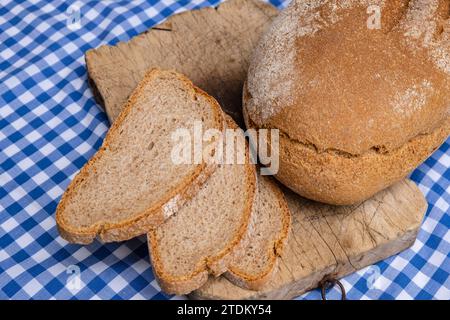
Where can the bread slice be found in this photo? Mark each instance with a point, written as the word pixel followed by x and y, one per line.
pixel 203 236
pixel 131 184
pixel 270 230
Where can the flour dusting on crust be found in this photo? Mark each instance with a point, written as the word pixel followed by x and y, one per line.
pixel 271 74
pixel 413 99
pixel 273 71
pixel 424 28
pixel 171 207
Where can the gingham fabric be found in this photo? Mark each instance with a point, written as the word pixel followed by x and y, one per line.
pixel 50 126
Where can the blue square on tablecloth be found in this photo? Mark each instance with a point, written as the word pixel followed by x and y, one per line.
pixel 54 286
pixel 11 288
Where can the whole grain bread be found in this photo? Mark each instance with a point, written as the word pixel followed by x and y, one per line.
pixel 358 106
pixel 330 177
pixel 270 229
pixel 207 232
pixel 131 184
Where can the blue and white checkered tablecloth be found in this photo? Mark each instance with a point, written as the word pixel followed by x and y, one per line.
pixel 50 126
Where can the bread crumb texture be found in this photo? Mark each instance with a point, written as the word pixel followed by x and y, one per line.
pixel 131 183
pixel 204 234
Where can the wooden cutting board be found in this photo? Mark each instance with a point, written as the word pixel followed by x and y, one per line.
pixel 331 242
pixel 212 47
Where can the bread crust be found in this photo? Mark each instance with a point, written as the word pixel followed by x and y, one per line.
pixel 256 281
pixel 214 265
pixel 339 179
pixel 151 217
pixel 347 87
pixel 357 109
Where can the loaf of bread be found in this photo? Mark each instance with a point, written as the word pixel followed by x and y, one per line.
pixel 265 244
pixel 235 225
pixel 359 102
pixel 131 184
pixel 206 233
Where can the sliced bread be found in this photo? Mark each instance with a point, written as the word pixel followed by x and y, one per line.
pixel 131 184
pixel 270 230
pixel 203 236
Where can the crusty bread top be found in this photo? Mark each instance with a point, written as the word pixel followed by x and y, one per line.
pixel 271 222
pixel 325 79
pixel 202 236
pixel 132 176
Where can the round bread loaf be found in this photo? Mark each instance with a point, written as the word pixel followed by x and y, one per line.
pixel 359 101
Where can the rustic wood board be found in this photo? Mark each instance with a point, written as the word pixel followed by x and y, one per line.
pixel 329 241
pixel 212 47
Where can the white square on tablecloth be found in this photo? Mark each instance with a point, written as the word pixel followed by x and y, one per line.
pixel 19 124
pixel 42 26
pixel 118 283
pixel 33 208
pixel 53 122
pixel 25 240
pixel 68 134
pixel 15 271
pixel 12 81
pixel 62 163
pixel 435 176
pixel 32 69
pixel 118 30
pixel 442 204
pixel 18 193
pixel 403 295
pixel 73 108
pixel 5 111
pixel 27 97
pixel 41 255
pixel 11 150
pixel 48 222
pixel 47 149
pixel 88 37
pixel 32 287
pixel 40 177
pixel 33 136
pixel 55 192
pixel 420 278
pixel 445 160
pixel 7 53
pixel 81 254
pixel 9 224
pixel 399 263
pixel 46 84
pixel 122 252
pixel 155 285
pixel 70 47
pixel 25 163
pixel 51 59
pixel 99 267
pixel 138 296
pixel 443 293
pixel 83 148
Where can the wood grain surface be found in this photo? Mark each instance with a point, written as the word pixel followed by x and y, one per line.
pixel 213 47
pixel 330 241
